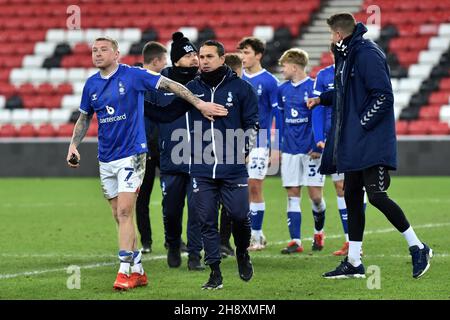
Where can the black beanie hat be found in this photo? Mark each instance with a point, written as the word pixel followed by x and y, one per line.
pixel 180 46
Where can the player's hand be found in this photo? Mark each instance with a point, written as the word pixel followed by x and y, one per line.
pixel 321 145
pixel 312 102
pixel 73 157
pixel 210 110
pixel 314 155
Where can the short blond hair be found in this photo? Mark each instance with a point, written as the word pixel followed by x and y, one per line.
pixel 295 56
pixel 113 42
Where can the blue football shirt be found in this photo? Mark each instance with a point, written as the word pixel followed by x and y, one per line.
pixel 266 86
pixel 118 101
pixel 297 132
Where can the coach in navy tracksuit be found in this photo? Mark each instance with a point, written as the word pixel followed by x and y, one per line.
pixel 175 179
pixel 218 167
pixel 362 140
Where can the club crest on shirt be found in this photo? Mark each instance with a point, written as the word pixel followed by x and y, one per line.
pixel 229 99
pixel 259 90
pixel 121 88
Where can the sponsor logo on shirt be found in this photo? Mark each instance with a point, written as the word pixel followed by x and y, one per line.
pixel 298 120
pixel 113 119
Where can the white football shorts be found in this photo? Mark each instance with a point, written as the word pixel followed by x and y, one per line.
pixel 258 162
pixel 337 177
pixel 122 175
pixel 300 170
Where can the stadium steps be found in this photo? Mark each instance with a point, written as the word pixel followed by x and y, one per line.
pixel 317 37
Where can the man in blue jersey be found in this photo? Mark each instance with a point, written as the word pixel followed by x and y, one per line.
pixel 266 85
pixel 300 156
pixel 116 95
pixel 362 141
pixel 155 59
pixel 218 151
pixel 175 179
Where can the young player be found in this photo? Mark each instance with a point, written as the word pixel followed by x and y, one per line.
pixel 266 85
pixel 300 156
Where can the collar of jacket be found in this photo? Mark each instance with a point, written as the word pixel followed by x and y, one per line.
pixel 213 78
pixel 343 47
pixel 180 74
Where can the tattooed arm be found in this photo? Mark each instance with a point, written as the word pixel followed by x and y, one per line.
pixel 208 109
pixel 79 132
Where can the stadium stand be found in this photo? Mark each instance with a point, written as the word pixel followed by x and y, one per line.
pixel 44 65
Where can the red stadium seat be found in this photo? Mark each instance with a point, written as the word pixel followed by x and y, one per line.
pixel 93 130
pixel 445 84
pixel 8 131
pixel 441 98
pixel 401 127
pixel 64 89
pixel 46 130
pixel 429 113
pixel 65 130
pixel 27 131
pixel 419 127
pixel 46 89
pixel 440 128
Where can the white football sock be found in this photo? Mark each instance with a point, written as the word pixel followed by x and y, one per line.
pixel 411 238
pixel 354 253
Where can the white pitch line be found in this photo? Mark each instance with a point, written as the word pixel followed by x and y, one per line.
pixel 88 266
pixel 387 230
pixel 99 265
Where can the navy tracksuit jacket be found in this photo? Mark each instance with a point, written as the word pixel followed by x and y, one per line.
pixel 217 172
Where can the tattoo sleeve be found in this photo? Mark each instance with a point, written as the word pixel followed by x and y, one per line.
pixel 80 129
pixel 179 90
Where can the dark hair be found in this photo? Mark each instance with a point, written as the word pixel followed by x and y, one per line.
pixel 213 43
pixel 233 61
pixel 256 44
pixel 343 21
pixel 153 50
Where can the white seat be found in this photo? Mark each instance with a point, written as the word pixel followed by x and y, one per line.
pixel 71 102
pixel 5 116
pixel 124 47
pixel 131 34
pixel 78 87
pixel 30 61
pixel 264 33
pixel 56 35
pixel 397 111
pixel 444 29
pixel 60 116
pixel 401 99
pixel 38 76
pixel 39 116
pixel 2 102
pixel 19 76
pixel 444 114
pixel 373 32
pixel 20 116
pixel 45 48
pixel 429 57
pixel 90 72
pixel 76 74
pixel 439 43
pixel 57 75
pixel 75 36
pixel 190 32
pixel 113 33
pixel 394 83
pixel 409 84
pixel 92 34
pixel 421 71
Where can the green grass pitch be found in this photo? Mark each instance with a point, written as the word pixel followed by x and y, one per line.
pixel 51 224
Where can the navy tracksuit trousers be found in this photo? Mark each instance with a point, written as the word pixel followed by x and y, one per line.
pixel 175 188
pixel 233 193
